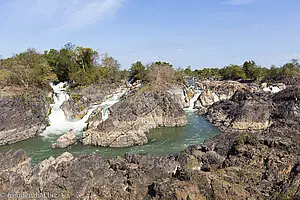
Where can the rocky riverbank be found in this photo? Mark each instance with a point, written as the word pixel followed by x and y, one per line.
pixel 214 91
pixel 247 161
pixel 22 115
pixel 133 117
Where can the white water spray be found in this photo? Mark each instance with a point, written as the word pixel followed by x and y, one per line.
pixel 193 100
pixel 57 119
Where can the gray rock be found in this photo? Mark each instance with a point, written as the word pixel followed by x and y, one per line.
pixel 65 140
pixel 133 117
pixel 22 117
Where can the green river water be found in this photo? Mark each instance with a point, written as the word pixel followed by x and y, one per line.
pixel 162 141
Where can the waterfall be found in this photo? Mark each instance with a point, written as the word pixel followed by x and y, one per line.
pixel 57 119
pixel 109 102
pixel 193 100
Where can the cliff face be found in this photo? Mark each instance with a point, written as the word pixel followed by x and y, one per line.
pixel 22 116
pixel 133 117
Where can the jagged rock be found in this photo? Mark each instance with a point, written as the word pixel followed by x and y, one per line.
pixel 215 91
pixel 65 140
pixel 244 111
pixel 22 116
pixel 133 117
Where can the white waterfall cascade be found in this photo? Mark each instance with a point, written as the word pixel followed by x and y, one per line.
pixel 57 119
pixel 197 93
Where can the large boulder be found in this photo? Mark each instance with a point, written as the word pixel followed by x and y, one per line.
pixel 133 117
pixel 179 95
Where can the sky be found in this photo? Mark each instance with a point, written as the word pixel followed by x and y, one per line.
pixel 196 33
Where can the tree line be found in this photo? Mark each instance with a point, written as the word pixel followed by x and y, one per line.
pixel 249 71
pixel 82 66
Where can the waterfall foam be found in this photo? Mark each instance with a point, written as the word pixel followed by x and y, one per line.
pixel 57 119
pixel 197 93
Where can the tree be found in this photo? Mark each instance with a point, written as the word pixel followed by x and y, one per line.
pixel 232 72
pixel 249 68
pixel 290 70
pixel 295 63
pixel 188 71
pixel 138 71
pixel 110 69
pixel 260 73
pixel 274 73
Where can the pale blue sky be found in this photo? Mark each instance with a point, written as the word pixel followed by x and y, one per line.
pixel 200 33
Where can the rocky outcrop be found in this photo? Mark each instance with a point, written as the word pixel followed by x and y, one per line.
pixel 133 117
pixel 81 99
pixel 179 94
pixel 244 111
pixel 214 91
pixel 22 116
pixel 65 140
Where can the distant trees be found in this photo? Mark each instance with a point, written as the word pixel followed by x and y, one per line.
pixel 248 71
pixel 78 65
pixel 232 72
pixel 110 69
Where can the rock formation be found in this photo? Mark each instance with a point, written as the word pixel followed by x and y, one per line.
pixel 133 117
pixel 244 111
pixel 22 116
pixel 247 161
pixel 83 98
pixel 65 140
pixel 214 91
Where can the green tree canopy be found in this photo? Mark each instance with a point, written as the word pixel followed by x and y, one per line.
pixel 233 72
pixel 138 71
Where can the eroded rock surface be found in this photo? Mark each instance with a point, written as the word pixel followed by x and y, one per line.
pixel 215 91
pixel 22 116
pixel 133 117
pixel 244 111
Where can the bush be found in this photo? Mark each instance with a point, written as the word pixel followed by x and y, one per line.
pixel 161 73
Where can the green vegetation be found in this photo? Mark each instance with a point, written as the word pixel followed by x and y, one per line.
pixel 248 71
pixel 138 71
pixel 26 69
pixel 81 66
